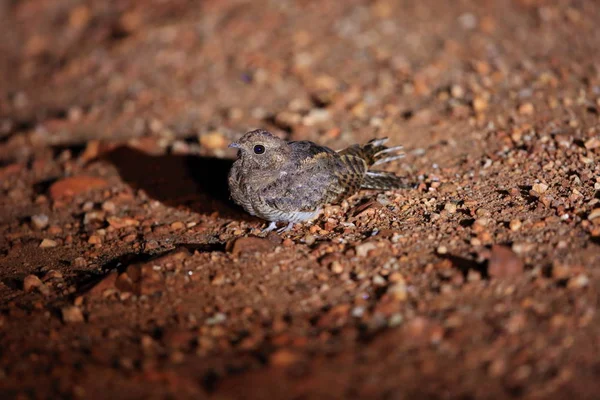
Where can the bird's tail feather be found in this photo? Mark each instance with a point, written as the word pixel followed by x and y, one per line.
pixel 382 180
pixel 376 153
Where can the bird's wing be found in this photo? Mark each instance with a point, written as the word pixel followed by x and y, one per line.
pixel 322 176
pixel 303 149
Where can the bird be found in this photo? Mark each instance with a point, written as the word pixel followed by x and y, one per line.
pixel 291 181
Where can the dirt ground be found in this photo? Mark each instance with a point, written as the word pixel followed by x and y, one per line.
pixel 127 273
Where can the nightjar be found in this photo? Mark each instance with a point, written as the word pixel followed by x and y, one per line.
pixel 282 181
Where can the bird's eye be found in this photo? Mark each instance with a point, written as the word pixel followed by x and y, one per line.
pixel 259 149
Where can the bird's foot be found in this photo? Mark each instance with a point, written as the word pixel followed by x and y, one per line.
pixel 286 228
pixel 272 226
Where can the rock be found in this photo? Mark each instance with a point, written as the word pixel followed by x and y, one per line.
pixel 310 239
pixel 450 207
pixel 481 222
pixel 288 118
pixel 177 225
pixel 249 244
pixel 32 283
pixel 316 116
pixel 578 282
pixel 526 109
pixel 336 267
pixel 337 316
pixel 417 327
pixel 539 188
pixel 39 221
pixel 284 358
pixel 497 368
pixel 594 214
pixel 561 271
pixel 95 239
pixel 379 280
pixel 396 319
pixel 218 279
pixel 457 91
pixel 129 238
pixel 516 323
pixel 515 225
pixel 274 238
pixel 479 104
pixel 504 263
pixel 216 319
pixel 93 216
pixel 11 169
pixel 213 141
pixel 72 314
pixel 448 188
pixel 363 249
pixel 109 207
pixel 53 274
pixel 119 223
pixel 75 185
pixel 92 150
pixel 47 243
pixel 398 291
pixel 523 247
pixel 592 143
pixel 107 283
pixel 79 262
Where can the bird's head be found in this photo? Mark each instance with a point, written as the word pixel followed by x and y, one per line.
pixel 261 149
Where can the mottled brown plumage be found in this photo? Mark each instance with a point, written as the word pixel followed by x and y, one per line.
pixel 291 181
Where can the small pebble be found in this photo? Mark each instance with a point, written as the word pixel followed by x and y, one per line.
pixel 72 314
pixel 47 243
pixel 283 358
pixel 540 188
pixel 310 239
pixel 526 109
pixel 479 104
pixel 398 291
pixel 31 283
pixel 109 207
pixel 213 141
pixel 379 280
pixel 594 214
pixel 592 143
pixel 450 207
pixel 177 225
pixel 396 320
pixel 363 249
pixel 515 225
pixel 578 282
pixel 95 239
pixel 336 267
pixel 39 221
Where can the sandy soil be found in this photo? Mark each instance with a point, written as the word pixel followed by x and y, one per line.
pixel 127 273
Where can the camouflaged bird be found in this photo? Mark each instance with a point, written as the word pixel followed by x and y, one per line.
pixel 290 182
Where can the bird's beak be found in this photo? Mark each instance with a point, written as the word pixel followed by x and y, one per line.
pixel 234 145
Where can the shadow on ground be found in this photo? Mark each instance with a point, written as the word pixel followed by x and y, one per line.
pixel 196 183
pixel 465 265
